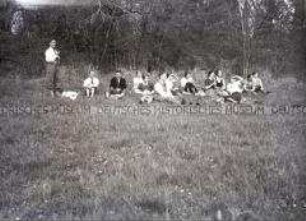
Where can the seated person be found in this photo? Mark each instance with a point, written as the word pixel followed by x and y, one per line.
pixel 142 84
pixel 210 81
pixel 220 82
pixel 137 81
pixel 187 84
pixel 91 83
pixel 147 89
pixel 256 85
pixel 117 86
pixel 164 86
pixel 247 84
pixel 160 85
pixel 234 89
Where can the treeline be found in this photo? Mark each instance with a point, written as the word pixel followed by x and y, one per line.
pixel 159 34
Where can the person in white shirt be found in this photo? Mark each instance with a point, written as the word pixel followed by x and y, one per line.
pixel 256 83
pixel 91 83
pixel 188 84
pixel 138 83
pixel 160 85
pixel 234 89
pixel 164 86
pixel 52 59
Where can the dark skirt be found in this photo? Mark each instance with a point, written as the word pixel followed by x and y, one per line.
pixel 258 90
pixel 190 88
pixel 236 97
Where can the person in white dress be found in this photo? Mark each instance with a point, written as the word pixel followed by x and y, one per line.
pixel 234 89
pixel 91 83
pixel 138 83
pixel 164 87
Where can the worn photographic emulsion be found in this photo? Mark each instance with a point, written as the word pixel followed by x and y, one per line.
pixel 153 110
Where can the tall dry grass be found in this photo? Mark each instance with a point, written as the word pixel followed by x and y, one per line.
pixel 68 162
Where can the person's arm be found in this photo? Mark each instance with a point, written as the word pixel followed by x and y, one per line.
pixel 211 85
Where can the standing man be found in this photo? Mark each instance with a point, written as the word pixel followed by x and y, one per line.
pixel 52 59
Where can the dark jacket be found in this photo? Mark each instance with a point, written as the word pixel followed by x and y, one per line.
pixel 118 83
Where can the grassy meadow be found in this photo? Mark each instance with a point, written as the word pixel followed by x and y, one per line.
pixel 73 160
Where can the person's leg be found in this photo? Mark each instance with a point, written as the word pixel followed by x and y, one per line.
pixel 111 92
pixel 230 99
pixel 55 79
pixel 49 79
pixel 188 88
pixel 191 88
pixel 87 92
pixel 95 90
pixel 194 89
pixel 92 91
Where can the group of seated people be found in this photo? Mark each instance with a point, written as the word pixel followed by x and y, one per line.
pixel 168 88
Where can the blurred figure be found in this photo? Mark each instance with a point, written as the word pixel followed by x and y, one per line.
pixel 247 84
pixel 138 81
pixel 220 81
pixel 52 59
pixel 148 90
pixel 117 86
pixel 143 86
pixel 188 83
pixel 210 81
pixel 256 85
pixel 160 85
pixel 91 83
pixel 164 86
pixel 234 89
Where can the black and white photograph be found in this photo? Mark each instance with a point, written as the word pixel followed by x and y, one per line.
pixel 174 110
